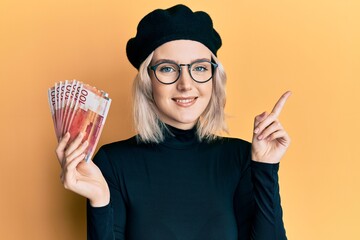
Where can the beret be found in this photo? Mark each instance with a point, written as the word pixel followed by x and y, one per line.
pixel 165 25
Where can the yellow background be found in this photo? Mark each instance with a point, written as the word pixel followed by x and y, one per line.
pixel 311 47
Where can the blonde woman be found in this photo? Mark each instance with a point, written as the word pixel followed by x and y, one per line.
pixel 177 179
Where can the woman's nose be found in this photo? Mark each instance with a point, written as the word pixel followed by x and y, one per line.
pixel 185 81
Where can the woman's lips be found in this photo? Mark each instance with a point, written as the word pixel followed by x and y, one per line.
pixel 184 102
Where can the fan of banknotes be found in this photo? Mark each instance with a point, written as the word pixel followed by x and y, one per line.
pixel 78 107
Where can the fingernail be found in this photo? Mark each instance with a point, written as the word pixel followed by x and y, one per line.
pixel 256 130
pixel 260 137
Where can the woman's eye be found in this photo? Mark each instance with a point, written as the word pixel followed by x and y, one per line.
pixel 167 69
pixel 199 69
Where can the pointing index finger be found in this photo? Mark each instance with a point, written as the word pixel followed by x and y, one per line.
pixel 280 103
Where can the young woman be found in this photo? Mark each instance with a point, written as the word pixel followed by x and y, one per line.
pixel 176 179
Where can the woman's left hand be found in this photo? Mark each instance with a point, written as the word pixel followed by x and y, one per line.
pixel 270 140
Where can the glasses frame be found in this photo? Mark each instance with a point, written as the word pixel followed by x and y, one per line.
pixel 213 68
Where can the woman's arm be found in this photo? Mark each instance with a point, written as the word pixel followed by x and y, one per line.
pixel 88 180
pixel 269 144
pixel 83 178
pixel 107 222
pixel 257 202
pixel 267 223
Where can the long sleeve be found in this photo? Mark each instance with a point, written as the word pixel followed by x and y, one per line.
pixel 267 222
pixel 99 222
pixel 108 222
pixel 257 203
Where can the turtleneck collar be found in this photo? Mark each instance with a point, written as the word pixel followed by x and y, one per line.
pixel 179 138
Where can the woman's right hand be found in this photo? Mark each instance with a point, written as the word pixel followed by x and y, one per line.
pixel 83 178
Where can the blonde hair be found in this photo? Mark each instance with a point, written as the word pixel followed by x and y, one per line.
pixel 145 113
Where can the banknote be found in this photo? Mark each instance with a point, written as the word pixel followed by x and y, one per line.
pixel 69 106
pixel 57 107
pixel 52 102
pixel 89 117
pixel 77 107
pixel 65 89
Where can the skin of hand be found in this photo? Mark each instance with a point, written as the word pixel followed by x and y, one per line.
pixel 83 178
pixel 270 141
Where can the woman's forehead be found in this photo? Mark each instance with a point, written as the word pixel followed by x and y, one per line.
pixel 182 51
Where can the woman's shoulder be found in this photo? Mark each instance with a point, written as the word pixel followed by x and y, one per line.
pixel 122 145
pixel 231 142
pixel 124 142
pixel 229 146
pixel 117 152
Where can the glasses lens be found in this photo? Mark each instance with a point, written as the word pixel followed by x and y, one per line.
pixel 201 71
pixel 167 72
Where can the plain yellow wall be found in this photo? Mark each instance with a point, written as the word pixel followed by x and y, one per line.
pixel 311 47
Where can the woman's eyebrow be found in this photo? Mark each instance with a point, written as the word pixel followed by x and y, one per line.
pixel 163 60
pixel 173 61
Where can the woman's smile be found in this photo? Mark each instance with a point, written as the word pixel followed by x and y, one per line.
pixel 185 101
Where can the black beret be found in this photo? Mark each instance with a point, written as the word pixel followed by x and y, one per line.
pixel 165 25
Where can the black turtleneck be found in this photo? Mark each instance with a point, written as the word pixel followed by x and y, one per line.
pixel 183 189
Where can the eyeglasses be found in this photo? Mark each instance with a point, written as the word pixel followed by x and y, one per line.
pixel 169 72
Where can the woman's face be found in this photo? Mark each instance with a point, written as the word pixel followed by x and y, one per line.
pixel 180 104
